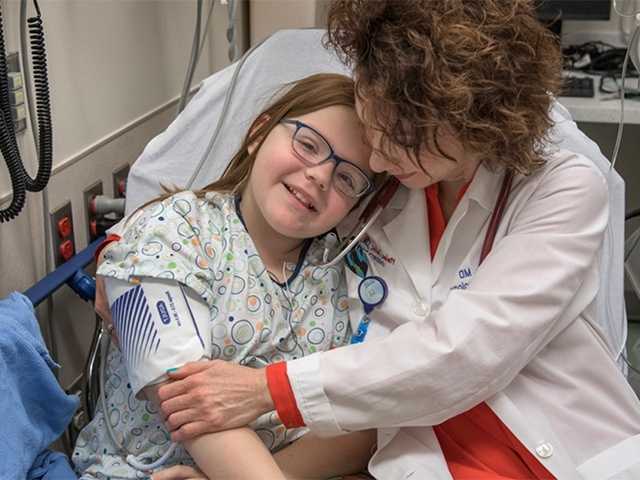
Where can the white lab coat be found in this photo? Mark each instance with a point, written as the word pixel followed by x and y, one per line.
pixel 519 333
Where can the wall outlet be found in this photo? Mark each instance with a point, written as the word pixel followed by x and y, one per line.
pixel 120 182
pixel 90 218
pixel 62 238
pixel 17 94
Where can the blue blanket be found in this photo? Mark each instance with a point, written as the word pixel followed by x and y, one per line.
pixel 35 410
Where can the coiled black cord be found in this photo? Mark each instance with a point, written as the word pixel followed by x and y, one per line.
pixel 43 104
pixel 8 145
pixel 20 179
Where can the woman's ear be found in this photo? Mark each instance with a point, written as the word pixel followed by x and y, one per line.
pixel 255 126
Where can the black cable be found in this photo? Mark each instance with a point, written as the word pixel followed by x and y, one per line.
pixel 633 369
pixel 20 179
pixel 16 174
pixel 597 58
pixel 8 146
pixel 43 103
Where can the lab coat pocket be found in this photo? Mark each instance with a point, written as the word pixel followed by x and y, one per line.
pixel 619 462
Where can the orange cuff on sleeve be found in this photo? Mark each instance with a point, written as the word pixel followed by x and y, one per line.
pixel 112 237
pixel 282 395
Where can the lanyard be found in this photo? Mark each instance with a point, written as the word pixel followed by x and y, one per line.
pixel 373 290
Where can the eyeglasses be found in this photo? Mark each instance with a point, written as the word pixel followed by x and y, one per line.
pixel 313 149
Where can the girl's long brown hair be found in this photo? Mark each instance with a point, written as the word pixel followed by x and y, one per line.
pixel 299 98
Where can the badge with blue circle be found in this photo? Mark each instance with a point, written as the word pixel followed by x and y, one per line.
pixel 372 292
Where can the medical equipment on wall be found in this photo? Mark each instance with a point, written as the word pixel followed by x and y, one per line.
pixel 234 50
pixel 196 50
pixel 198 44
pixel 20 179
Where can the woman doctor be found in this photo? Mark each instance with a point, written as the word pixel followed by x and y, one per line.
pixel 470 369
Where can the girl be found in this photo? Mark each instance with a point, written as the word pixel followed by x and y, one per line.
pixel 241 254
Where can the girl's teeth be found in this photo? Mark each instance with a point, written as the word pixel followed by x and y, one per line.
pixel 299 197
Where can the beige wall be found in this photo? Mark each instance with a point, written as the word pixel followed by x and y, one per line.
pixel 116 68
pixel 267 16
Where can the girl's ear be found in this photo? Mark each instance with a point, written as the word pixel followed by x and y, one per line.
pixel 259 122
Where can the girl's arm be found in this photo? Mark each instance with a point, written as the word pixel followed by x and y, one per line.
pixel 234 454
pixel 224 455
pixel 312 457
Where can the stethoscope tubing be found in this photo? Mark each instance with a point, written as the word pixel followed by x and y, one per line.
pixel 386 193
pixel 496 216
pixel 367 218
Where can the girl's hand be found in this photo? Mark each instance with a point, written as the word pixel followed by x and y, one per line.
pixel 179 472
pixel 213 395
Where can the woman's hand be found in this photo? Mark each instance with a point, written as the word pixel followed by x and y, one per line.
pixel 179 472
pixel 209 396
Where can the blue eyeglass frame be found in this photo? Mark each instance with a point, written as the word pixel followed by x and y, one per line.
pixel 332 154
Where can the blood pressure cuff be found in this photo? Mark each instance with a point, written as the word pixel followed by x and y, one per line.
pixel 161 324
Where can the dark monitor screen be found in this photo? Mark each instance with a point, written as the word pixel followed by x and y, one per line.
pixel 574 9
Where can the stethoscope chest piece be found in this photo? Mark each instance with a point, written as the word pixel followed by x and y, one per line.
pixel 373 292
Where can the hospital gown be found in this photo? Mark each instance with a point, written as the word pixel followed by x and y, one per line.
pixel 203 243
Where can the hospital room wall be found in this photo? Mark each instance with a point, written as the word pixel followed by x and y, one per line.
pixel 116 70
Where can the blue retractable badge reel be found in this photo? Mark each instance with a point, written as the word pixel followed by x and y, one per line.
pixel 372 292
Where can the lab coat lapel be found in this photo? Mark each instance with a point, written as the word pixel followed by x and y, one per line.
pixel 467 223
pixel 408 232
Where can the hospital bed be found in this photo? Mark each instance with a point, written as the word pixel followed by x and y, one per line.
pixel 194 149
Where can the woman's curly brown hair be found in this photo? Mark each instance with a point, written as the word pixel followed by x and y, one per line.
pixel 486 69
